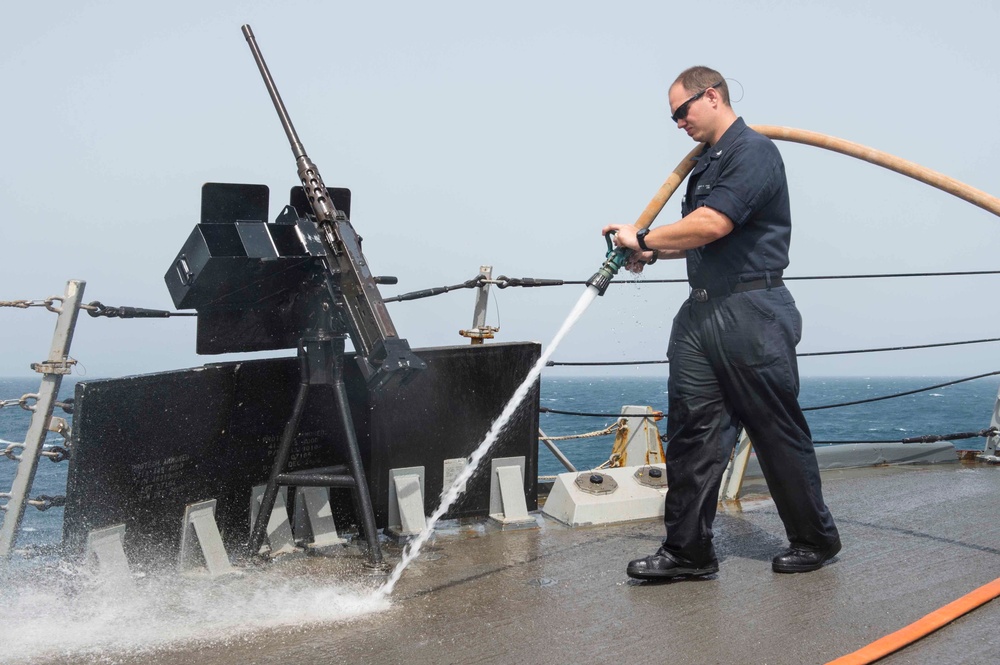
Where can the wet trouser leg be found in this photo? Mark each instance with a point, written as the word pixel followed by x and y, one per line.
pixel 701 434
pixel 746 344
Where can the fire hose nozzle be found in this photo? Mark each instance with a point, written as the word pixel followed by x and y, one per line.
pixel 614 260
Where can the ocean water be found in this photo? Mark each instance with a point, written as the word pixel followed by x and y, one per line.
pixel 38 527
pixel 959 408
pixel 964 407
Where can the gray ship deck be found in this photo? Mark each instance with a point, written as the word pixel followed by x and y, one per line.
pixel 915 538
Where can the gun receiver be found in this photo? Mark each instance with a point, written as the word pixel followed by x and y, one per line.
pixel 374 337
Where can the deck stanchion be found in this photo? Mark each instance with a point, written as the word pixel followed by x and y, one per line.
pixel 52 370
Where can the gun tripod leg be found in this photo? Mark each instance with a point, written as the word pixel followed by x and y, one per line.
pixel 328 355
pixel 362 499
pixel 281 458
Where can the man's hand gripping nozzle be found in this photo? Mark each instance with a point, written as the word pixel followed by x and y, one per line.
pixel 615 259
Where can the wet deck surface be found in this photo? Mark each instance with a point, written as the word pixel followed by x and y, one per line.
pixel 915 539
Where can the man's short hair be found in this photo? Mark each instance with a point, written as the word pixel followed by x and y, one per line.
pixel 695 79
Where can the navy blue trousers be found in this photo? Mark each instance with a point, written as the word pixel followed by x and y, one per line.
pixel 732 364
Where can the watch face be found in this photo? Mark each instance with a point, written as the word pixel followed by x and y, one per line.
pixel 641 237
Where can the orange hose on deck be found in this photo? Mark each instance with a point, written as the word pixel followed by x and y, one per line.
pixel 922 627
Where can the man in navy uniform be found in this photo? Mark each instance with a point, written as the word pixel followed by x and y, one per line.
pixel 732 345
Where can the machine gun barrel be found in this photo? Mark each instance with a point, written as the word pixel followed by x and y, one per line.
pixel 371 329
pixel 319 198
pixel 297 148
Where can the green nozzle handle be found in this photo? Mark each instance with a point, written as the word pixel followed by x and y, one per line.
pixel 611 245
pixel 616 255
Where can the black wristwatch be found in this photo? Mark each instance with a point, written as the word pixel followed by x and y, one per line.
pixel 640 237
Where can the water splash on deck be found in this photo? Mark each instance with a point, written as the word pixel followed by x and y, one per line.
pixel 64 612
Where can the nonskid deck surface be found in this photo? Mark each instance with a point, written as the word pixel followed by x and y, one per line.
pixel 915 538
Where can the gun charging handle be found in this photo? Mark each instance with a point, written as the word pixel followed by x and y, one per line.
pixel 613 262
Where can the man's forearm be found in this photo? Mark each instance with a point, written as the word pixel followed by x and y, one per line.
pixel 697 229
pixel 671 254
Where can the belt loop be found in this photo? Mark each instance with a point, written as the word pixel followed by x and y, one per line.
pixel 767 279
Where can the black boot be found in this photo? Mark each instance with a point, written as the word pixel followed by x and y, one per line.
pixel 663 566
pixel 801 560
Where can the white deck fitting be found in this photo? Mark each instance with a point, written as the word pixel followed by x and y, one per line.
pixel 508 506
pixel 643 443
pixel 406 501
pixel 312 505
pixel 732 479
pixel 570 505
pixel 279 529
pixel 105 553
pixel 200 535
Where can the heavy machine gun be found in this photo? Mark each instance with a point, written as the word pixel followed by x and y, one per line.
pixel 262 286
pixel 387 356
pixel 299 282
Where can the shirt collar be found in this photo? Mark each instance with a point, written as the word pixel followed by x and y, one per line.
pixel 735 129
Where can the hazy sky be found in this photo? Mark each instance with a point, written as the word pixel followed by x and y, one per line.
pixel 504 134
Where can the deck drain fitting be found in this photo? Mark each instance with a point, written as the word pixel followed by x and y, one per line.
pixel 596 483
pixel 651 476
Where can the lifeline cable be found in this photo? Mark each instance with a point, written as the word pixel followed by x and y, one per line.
pixel 902 394
pixel 97 308
pixel 925 438
pixel 545 409
pixel 503 282
pixel 898 348
pixel 652 416
pixel 599 363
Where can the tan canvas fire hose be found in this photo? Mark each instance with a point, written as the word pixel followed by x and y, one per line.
pixel 916 171
pixel 668 188
pixel 965 604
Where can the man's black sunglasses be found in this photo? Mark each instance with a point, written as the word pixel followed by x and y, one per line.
pixel 682 110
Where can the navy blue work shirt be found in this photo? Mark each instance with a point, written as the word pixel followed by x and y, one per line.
pixel 743 177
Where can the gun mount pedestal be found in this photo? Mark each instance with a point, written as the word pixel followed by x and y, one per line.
pixel 321 362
